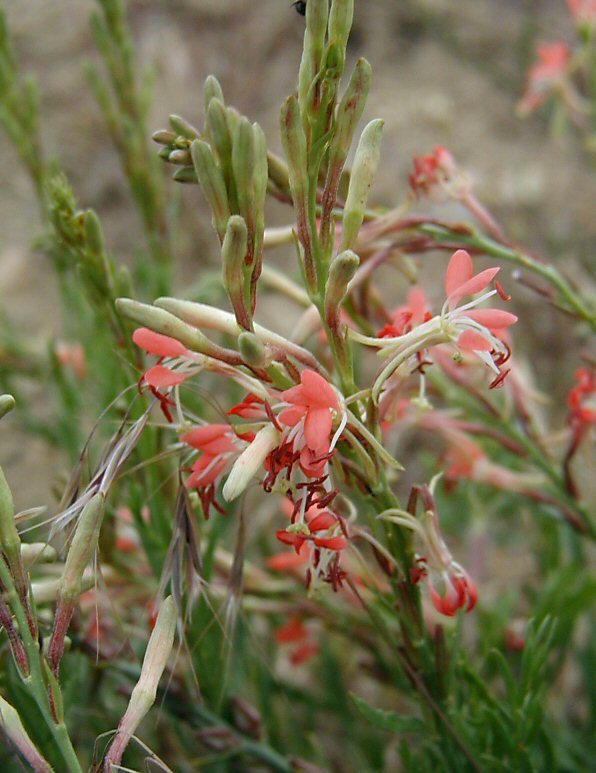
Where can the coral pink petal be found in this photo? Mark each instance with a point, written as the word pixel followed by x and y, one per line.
pixel 331 543
pixel 206 470
pixel 160 376
pixel 493 319
pixel 322 522
pixel 417 305
pixel 214 438
pixel 473 285
pixel 318 391
pixel 317 429
pixel 470 341
pixel 291 416
pixel 158 344
pixel 310 464
pixel 294 395
pixel 459 271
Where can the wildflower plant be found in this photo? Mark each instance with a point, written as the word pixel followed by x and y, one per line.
pixel 261 501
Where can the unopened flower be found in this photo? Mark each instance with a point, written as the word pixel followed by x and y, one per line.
pixel 412 313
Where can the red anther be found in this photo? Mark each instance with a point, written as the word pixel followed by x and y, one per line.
pixel 500 379
pixel 502 294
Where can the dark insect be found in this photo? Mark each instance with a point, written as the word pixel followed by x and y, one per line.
pixel 300 6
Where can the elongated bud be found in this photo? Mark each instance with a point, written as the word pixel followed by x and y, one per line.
pixel 341 272
pixel 340 21
pixel 294 144
pixel 163 137
pixel 143 695
pixel 12 727
pixel 349 113
pixel 212 90
pixel 363 173
pixel 7 403
pixel 10 541
pixel 250 462
pixel 213 185
pixel 243 164
pixel 278 172
pixel 82 548
pixel 46 591
pixel 161 321
pixel 93 233
pixel 233 254
pixel 246 717
pixel 183 128
pixel 351 108
pixel 221 139
pixel 252 350
pixel 317 13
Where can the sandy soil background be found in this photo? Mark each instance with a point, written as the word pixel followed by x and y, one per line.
pixel 446 73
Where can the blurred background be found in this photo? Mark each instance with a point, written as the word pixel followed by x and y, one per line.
pixel 445 72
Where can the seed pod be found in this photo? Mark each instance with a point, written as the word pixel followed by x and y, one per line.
pixel 365 166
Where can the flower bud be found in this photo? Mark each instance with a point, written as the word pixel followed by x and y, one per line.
pixel 233 254
pixel 250 461
pixel 186 174
pixel 145 690
pixel 317 12
pixel 212 90
pixel 10 541
pixel 221 140
pixel 12 727
pixel 183 128
pixel 93 233
pixel 340 21
pixel 7 403
pixel 212 183
pixel 365 166
pixel 163 137
pixel 82 548
pixel 180 157
pixel 252 350
pixel 161 321
pixel 341 272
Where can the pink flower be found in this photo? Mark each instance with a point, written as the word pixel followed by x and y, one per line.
pixel 582 10
pixel 220 447
pixel 437 176
pixel 312 405
pixel 412 313
pixel 545 76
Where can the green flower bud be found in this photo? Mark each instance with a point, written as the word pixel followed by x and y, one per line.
pixel 213 185
pixel 7 403
pixel 163 137
pixel 363 173
pixel 182 127
pixel 340 21
pixel 186 174
pixel 233 254
pixel 93 233
pixel 212 90
pixel 252 350
pixel 82 548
